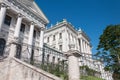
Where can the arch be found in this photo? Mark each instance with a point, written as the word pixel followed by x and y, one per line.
pixel 2 46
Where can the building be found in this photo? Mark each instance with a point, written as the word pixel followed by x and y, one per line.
pixel 64 37
pixel 63 34
pixel 22 25
pixel 21 21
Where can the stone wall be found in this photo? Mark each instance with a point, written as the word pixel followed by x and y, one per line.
pixel 18 70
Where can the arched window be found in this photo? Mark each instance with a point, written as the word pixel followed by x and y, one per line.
pixel 18 51
pixel 2 46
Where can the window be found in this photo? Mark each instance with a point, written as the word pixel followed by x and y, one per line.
pixel 32 57
pixel 2 46
pixel 53 46
pixel 18 51
pixel 34 35
pixel 53 60
pixel 60 47
pixel 7 20
pixel 48 39
pixel 58 60
pixel 22 29
pixel 60 35
pixel 48 58
pixel 53 37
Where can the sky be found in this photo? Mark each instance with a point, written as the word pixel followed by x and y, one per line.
pixel 92 16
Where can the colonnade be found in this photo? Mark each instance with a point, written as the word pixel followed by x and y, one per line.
pixel 84 46
pixel 20 17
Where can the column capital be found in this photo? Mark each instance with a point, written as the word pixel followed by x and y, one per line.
pixel 73 53
pixel 42 28
pixel 19 15
pixel 32 23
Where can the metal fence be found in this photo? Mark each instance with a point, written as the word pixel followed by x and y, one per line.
pixel 49 64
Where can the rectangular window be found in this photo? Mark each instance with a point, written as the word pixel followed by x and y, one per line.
pixel 60 36
pixel 7 20
pixel 60 47
pixel 34 35
pixel 53 37
pixel 22 29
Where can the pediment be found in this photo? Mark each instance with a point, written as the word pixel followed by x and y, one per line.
pixel 34 7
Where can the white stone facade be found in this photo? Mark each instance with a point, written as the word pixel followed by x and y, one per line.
pixel 22 20
pixel 63 34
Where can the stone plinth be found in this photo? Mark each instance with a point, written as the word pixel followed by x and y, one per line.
pixel 73 65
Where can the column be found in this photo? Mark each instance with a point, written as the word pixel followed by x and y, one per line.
pixel 78 44
pixel 87 48
pixel 16 36
pixel 84 46
pixel 2 14
pixel 30 39
pixel 41 38
pixel 81 45
pixel 18 25
pixel 41 41
pixel 73 65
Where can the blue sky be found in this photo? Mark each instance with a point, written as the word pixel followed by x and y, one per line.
pixel 90 15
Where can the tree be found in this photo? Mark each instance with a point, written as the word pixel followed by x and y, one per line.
pixel 109 49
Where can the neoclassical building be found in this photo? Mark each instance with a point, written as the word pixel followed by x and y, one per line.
pixel 63 34
pixel 22 22
pixel 22 25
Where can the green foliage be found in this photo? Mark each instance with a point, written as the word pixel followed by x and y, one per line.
pixel 109 48
pixel 55 69
pixel 90 78
pixel 89 71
